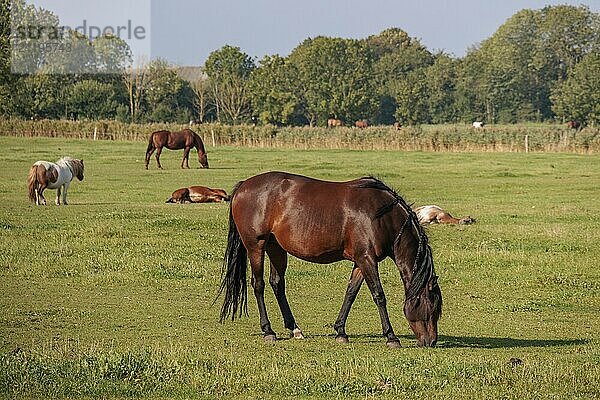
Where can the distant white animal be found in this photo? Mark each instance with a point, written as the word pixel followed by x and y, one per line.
pixel 436 215
pixel 478 124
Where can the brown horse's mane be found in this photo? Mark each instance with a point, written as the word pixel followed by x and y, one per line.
pixel 198 142
pixel 423 270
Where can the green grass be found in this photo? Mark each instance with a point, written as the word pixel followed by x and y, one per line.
pixel 112 296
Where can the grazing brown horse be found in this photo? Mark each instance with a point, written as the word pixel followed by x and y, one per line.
pixel 45 174
pixel 198 194
pixel 362 221
pixel 362 123
pixel 574 124
pixel 185 139
pixel 332 123
pixel 436 215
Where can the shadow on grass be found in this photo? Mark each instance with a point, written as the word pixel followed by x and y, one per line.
pixel 498 343
pixel 463 341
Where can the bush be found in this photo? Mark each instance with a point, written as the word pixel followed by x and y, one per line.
pixel 457 137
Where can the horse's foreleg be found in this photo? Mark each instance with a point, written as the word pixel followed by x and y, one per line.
pixel 257 258
pixel 64 194
pixel 158 151
pixel 186 156
pixel 368 267
pixel 356 280
pixel 278 258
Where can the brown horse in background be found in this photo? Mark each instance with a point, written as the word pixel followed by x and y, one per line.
pixel 363 221
pixel 185 139
pixel 198 194
pixel 361 123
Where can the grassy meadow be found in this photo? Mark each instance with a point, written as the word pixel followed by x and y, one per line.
pixel 113 295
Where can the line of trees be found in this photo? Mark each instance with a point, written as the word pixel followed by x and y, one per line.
pixel 540 65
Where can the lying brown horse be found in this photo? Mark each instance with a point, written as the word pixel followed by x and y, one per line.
pixel 362 221
pixel 198 194
pixel 185 139
pixel 436 215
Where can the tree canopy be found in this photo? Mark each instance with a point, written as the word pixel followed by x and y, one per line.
pixel 540 65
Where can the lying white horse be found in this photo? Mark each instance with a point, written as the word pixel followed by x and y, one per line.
pixel 436 215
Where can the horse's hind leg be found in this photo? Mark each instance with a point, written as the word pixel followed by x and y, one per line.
pixel 148 155
pixel 278 258
pixel 356 280
pixel 257 259
pixel 40 199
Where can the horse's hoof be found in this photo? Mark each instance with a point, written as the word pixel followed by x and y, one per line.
pixel 297 334
pixel 342 339
pixel 270 338
pixel 394 344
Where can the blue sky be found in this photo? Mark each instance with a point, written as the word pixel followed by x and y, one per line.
pixel 186 31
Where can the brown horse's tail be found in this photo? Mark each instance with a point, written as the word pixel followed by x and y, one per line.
pixel 150 143
pixel 32 183
pixel 234 275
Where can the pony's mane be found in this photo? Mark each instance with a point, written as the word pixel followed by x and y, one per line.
pixel 75 165
pixel 423 270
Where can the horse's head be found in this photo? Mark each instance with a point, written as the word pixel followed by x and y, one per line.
pixel 423 312
pixel 78 169
pixel 466 220
pixel 203 160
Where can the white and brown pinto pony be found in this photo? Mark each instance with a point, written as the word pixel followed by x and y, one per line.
pixel 47 175
pixel 198 194
pixel 436 215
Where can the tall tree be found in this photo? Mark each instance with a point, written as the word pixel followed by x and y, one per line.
pixel 274 91
pixel 6 79
pixel 440 79
pixel 578 97
pixel 202 97
pixel 396 56
pixel 136 82
pixel 112 54
pixel 525 58
pixel 166 93
pixel 90 99
pixel 334 77
pixel 229 70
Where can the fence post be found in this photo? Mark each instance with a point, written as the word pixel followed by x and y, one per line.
pixel 95 132
pixel 526 143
